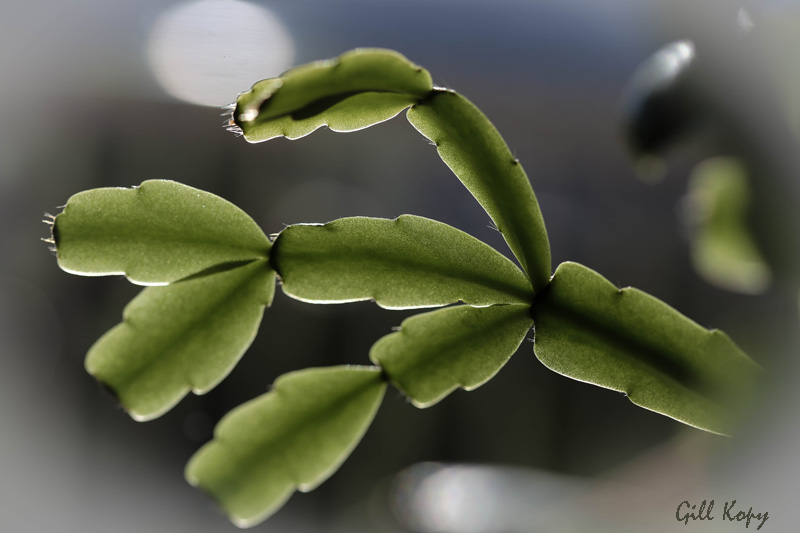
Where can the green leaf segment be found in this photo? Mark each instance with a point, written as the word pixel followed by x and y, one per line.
pixel 154 234
pixel 473 149
pixel 435 353
pixel 408 262
pixel 220 269
pixel 356 90
pixel 186 336
pixel 293 437
pixel 629 341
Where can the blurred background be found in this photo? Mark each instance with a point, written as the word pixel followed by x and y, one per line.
pixel 98 94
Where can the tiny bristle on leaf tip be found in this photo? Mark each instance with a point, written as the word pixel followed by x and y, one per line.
pixel 231 126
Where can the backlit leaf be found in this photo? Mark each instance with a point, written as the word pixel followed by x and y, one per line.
pixel 186 336
pixel 356 90
pixel 408 262
pixel 628 341
pixel 154 234
pixel 364 87
pixel 473 149
pixel 437 352
pixel 293 437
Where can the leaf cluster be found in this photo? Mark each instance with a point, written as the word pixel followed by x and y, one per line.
pixel 211 273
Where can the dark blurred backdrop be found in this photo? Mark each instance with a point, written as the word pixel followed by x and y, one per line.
pixel 98 94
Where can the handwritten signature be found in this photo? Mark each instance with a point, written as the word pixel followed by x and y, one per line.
pixel 686 511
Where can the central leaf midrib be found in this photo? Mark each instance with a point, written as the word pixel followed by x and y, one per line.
pixel 662 362
pixel 210 312
pixel 291 432
pixel 344 257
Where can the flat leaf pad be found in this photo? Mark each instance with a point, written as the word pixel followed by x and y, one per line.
pixel 185 336
pixel 408 262
pixel 358 89
pixel 154 234
pixel 437 352
pixel 474 150
pixel 293 437
pixel 628 341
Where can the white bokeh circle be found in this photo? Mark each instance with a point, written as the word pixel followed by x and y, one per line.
pixel 207 51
